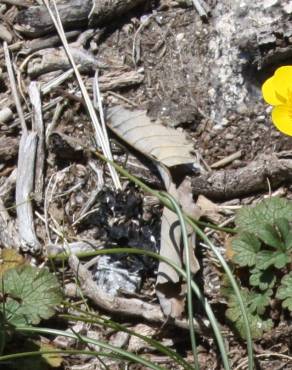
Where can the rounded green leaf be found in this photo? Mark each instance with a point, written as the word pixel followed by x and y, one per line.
pixel 245 248
pixel 31 294
pixel 262 279
pixel 284 292
pixel 268 211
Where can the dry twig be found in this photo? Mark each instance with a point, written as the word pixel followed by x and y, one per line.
pixel 131 307
pixel 100 139
pixel 25 171
pixel 38 127
pixel 230 184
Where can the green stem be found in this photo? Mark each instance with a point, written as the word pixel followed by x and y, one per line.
pixel 157 194
pixel 236 291
pixel 118 327
pixel 127 355
pixel 215 251
pixel 15 356
pixel 188 277
pixel 195 288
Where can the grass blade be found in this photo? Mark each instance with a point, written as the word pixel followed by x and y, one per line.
pixel 188 276
pixel 127 355
pixel 195 288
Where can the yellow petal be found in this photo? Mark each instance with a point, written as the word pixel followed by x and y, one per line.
pixel 269 92
pixel 277 90
pixel 284 72
pixel 283 82
pixel 282 118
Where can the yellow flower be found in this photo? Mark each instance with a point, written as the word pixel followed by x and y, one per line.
pixel 277 91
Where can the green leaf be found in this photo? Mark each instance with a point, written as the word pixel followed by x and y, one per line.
pixel 270 235
pixel 245 248
pixel 284 292
pixel 257 325
pixel 262 279
pixel 288 241
pixel 282 224
pixel 31 295
pixel 277 235
pixel 269 211
pixel 257 303
pixel 267 258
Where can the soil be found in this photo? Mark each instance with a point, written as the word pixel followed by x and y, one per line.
pixel 170 44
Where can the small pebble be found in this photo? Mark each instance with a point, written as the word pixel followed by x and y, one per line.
pixel 288 8
pixel 180 36
pixel 275 134
pixel 229 136
pixel 269 3
pixel 237 163
pixel 261 118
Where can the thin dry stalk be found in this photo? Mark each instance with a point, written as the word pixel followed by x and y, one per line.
pixel 100 139
pixel 38 127
pixel 14 88
pixel 24 189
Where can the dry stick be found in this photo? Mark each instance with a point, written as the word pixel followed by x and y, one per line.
pixel 123 306
pixel 38 127
pixel 77 247
pixel 87 212
pixel 24 188
pixel 93 196
pixel 13 47
pixel 35 21
pixel 97 102
pixel 16 3
pixel 54 59
pixel 106 83
pixel 44 43
pixel 55 120
pixel 224 161
pixel 46 107
pixel 123 98
pixel 243 364
pixel 46 207
pixel 200 9
pixel 135 57
pixel 113 81
pixel 59 233
pixel 206 7
pixel 25 171
pixel 100 139
pixel 14 88
pixel 230 184
pixel 55 82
